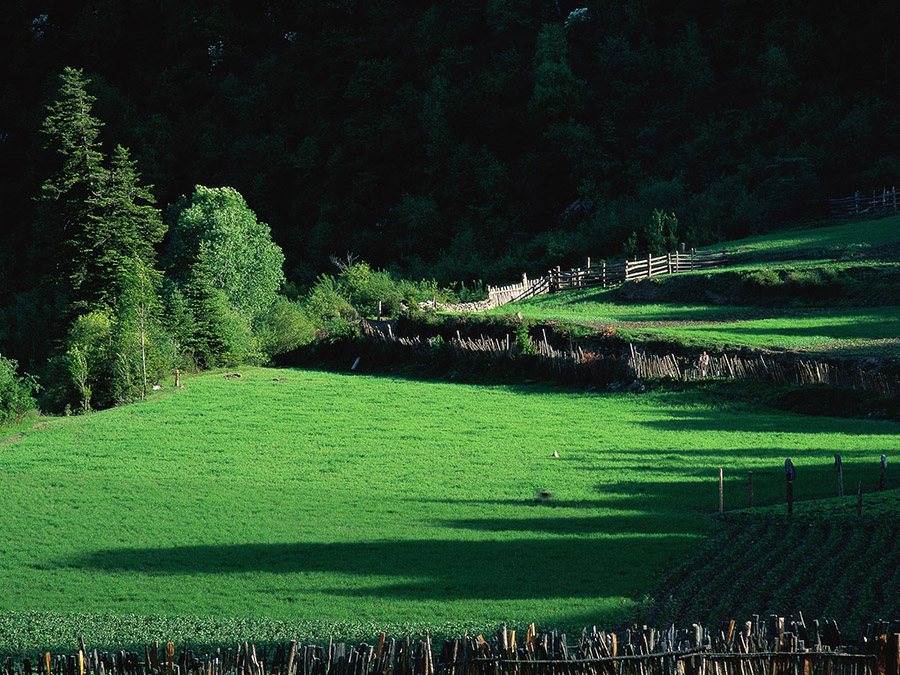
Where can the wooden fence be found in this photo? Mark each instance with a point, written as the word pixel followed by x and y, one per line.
pixel 757 647
pixel 880 203
pixel 610 365
pixel 604 275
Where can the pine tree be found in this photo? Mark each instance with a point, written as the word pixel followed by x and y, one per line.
pixel 68 195
pixel 121 230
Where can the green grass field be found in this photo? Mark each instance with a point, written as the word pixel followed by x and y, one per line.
pixel 857 239
pixel 344 504
pixel 847 329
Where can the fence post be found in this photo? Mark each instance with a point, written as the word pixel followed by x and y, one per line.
pixel 721 491
pixel 649 265
pixel 789 474
pixel 883 467
pixel 669 261
pixel 693 255
pixel 589 262
pixel 558 278
pixel 524 281
pixel 604 274
pixel 840 474
pixel 750 482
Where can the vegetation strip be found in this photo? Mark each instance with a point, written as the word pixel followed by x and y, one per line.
pixel 757 646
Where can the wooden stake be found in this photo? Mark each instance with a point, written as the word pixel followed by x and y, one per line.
pixel 721 491
pixel 750 484
pixel 838 464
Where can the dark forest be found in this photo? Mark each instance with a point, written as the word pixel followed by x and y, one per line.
pixel 452 141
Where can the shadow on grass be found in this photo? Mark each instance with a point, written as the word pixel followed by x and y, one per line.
pixel 429 569
pixel 761 421
pixel 643 524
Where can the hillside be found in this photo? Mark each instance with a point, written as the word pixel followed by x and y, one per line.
pixel 465 142
pixel 310 503
pixel 827 291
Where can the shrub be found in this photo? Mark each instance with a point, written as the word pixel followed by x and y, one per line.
pixel 16 393
pixel 523 341
pixel 284 327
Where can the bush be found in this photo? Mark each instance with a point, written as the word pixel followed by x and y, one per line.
pixel 364 287
pixel 523 341
pixel 16 393
pixel 284 327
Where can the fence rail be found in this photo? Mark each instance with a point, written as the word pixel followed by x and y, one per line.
pixel 880 203
pixel 770 646
pixel 605 275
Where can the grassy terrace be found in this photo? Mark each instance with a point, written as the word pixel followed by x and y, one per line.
pixel 834 242
pixel 346 504
pixel 855 262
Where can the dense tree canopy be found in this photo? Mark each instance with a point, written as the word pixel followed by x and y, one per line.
pixel 443 140
pixel 481 139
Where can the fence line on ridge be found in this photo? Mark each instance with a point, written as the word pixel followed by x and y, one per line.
pixel 880 203
pixel 604 275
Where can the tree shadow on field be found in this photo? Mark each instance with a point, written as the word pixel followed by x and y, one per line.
pixel 530 568
pixel 641 524
pixel 768 421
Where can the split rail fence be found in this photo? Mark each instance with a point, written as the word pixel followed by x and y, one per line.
pixel 605 275
pixel 768 647
pixel 880 203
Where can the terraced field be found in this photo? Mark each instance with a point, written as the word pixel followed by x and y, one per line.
pixel 831 290
pixel 825 561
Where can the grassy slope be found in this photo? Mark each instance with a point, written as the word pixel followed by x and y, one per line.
pixel 837 249
pixel 355 502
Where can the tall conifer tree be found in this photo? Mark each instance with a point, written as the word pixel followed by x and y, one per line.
pixel 68 195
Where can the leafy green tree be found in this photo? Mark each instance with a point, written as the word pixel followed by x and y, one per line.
pixel 221 336
pixel 88 351
pixel 286 326
pixel 16 392
pixel 661 232
pixel 557 92
pixel 216 237
pixel 138 336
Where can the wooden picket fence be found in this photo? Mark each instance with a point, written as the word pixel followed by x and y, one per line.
pixel 774 646
pixel 604 275
pixel 882 202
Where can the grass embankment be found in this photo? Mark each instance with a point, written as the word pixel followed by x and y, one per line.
pixel 832 290
pixel 824 561
pixel 347 504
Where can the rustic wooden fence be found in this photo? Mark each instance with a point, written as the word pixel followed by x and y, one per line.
pixel 609 365
pixel 880 203
pixel 762 368
pixel 604 275
pixel 757 647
